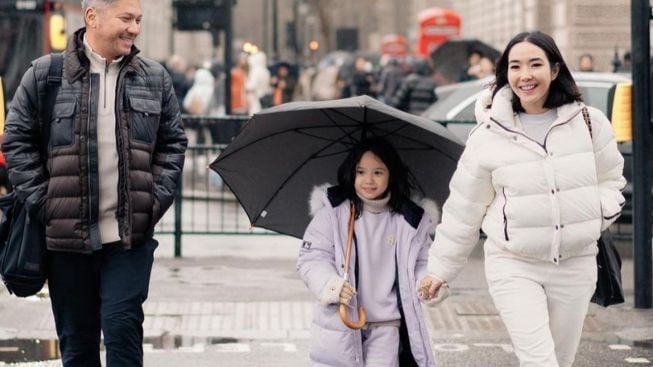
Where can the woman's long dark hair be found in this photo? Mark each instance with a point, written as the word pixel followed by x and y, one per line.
pixel 563 88
pixel 400 179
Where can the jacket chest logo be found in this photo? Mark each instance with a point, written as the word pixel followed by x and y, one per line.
pixel 391 240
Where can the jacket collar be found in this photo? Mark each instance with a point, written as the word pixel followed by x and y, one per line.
pixel 499 110
pixel 76 63
pixel 333 196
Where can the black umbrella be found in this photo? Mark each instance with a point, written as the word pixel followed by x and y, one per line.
pixel 283 152
pixel 450 58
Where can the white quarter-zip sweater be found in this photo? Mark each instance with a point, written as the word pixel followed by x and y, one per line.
pixel 106 139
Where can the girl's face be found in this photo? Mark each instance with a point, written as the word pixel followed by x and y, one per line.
pixel 530 75
pixel 372 176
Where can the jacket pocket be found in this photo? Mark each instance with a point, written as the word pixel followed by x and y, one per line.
pixel 144 119
pixel 333 347
pixel 505 217
pixel 62 126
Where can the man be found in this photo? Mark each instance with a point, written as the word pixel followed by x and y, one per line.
pixel 586 63
pixel 114 159
pixel 417 91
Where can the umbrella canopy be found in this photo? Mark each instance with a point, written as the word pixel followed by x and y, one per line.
pixel 283 152
pixel 450 58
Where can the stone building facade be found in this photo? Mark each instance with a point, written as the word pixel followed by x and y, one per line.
pixel 578 26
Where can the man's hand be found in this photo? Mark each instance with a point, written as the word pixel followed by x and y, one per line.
pixel 429 287
pixel 347 293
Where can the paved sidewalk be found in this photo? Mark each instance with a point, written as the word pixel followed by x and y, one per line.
pixel 231 289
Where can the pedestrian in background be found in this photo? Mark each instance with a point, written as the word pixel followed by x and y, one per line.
pixel 392 236
pixel 257 83
pixel 542 182
pixel 417 91
pixel 197 101
pixel 177 68
pixel 110 171
pixel 390 80
pixel 238 79
pixel 586 63
pixel 283 84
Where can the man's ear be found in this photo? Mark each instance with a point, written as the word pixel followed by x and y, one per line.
pixel 90 17
pixel 555 70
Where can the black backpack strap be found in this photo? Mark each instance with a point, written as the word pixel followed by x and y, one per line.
pixel 53 81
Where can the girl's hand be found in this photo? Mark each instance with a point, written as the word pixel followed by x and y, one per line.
pixel 347 293
pixel 429 287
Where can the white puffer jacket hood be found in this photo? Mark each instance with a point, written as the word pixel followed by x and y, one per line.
pixel 538 201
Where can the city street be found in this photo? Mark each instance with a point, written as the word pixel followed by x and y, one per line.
pixel 236 301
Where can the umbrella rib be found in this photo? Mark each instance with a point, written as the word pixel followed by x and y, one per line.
pixel 283 184
pixel 426 146
pixel 351 139
pixel 296 129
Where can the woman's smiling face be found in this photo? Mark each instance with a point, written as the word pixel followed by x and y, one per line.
pixel 530 75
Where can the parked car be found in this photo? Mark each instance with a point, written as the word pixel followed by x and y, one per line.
pixel 609 92
pixel 455 105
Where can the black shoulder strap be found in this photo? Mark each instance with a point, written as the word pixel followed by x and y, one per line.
pixel 53 81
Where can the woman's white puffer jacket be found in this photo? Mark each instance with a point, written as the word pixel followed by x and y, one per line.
pixel 544 202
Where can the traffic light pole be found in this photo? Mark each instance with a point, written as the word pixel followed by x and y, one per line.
pixel 642 138
pixel 228 56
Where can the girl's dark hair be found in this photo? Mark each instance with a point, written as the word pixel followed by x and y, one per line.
pixel 563 88
pixel 400 179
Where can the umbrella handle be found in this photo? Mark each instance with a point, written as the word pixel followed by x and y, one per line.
pixel 362 317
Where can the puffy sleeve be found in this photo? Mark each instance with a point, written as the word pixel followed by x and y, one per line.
pixel 471 192
pixel 609 168
pixel 316 264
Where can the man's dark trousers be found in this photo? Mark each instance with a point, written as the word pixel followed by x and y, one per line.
pixel 101 291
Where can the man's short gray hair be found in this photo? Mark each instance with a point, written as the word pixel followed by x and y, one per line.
pixel 96 3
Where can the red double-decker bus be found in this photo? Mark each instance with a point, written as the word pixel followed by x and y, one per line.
pixel 394 45
pixel 435 26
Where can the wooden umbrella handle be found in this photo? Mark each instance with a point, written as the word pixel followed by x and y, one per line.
pixel 362 316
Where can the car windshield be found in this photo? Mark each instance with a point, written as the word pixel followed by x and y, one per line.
pixel 596 95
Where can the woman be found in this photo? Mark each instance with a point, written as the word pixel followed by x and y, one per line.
pixel 391 238
pixel 542 186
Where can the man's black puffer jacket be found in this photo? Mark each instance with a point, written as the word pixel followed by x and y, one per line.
pixel 63 192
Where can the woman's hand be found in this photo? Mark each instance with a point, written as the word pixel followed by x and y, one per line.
pixel 347 293
pixel 429 287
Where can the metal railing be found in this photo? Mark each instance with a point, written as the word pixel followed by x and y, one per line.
pixel 204 205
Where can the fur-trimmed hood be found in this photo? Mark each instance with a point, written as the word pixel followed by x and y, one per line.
pixel 320 197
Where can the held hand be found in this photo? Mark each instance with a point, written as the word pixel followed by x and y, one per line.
pixel 347 293
pixel 429 287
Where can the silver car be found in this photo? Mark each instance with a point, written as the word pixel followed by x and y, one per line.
pixel 455 105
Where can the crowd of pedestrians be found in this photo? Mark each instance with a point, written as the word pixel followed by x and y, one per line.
pixel 405 82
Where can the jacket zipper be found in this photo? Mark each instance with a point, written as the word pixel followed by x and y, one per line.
pixel 528 137
pixel 106 70
pixel 521 133
pixel 505 217
pixel 88 152
pixel 121 156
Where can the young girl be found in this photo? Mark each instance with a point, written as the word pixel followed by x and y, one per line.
pixel 391 242
pixel 541 175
